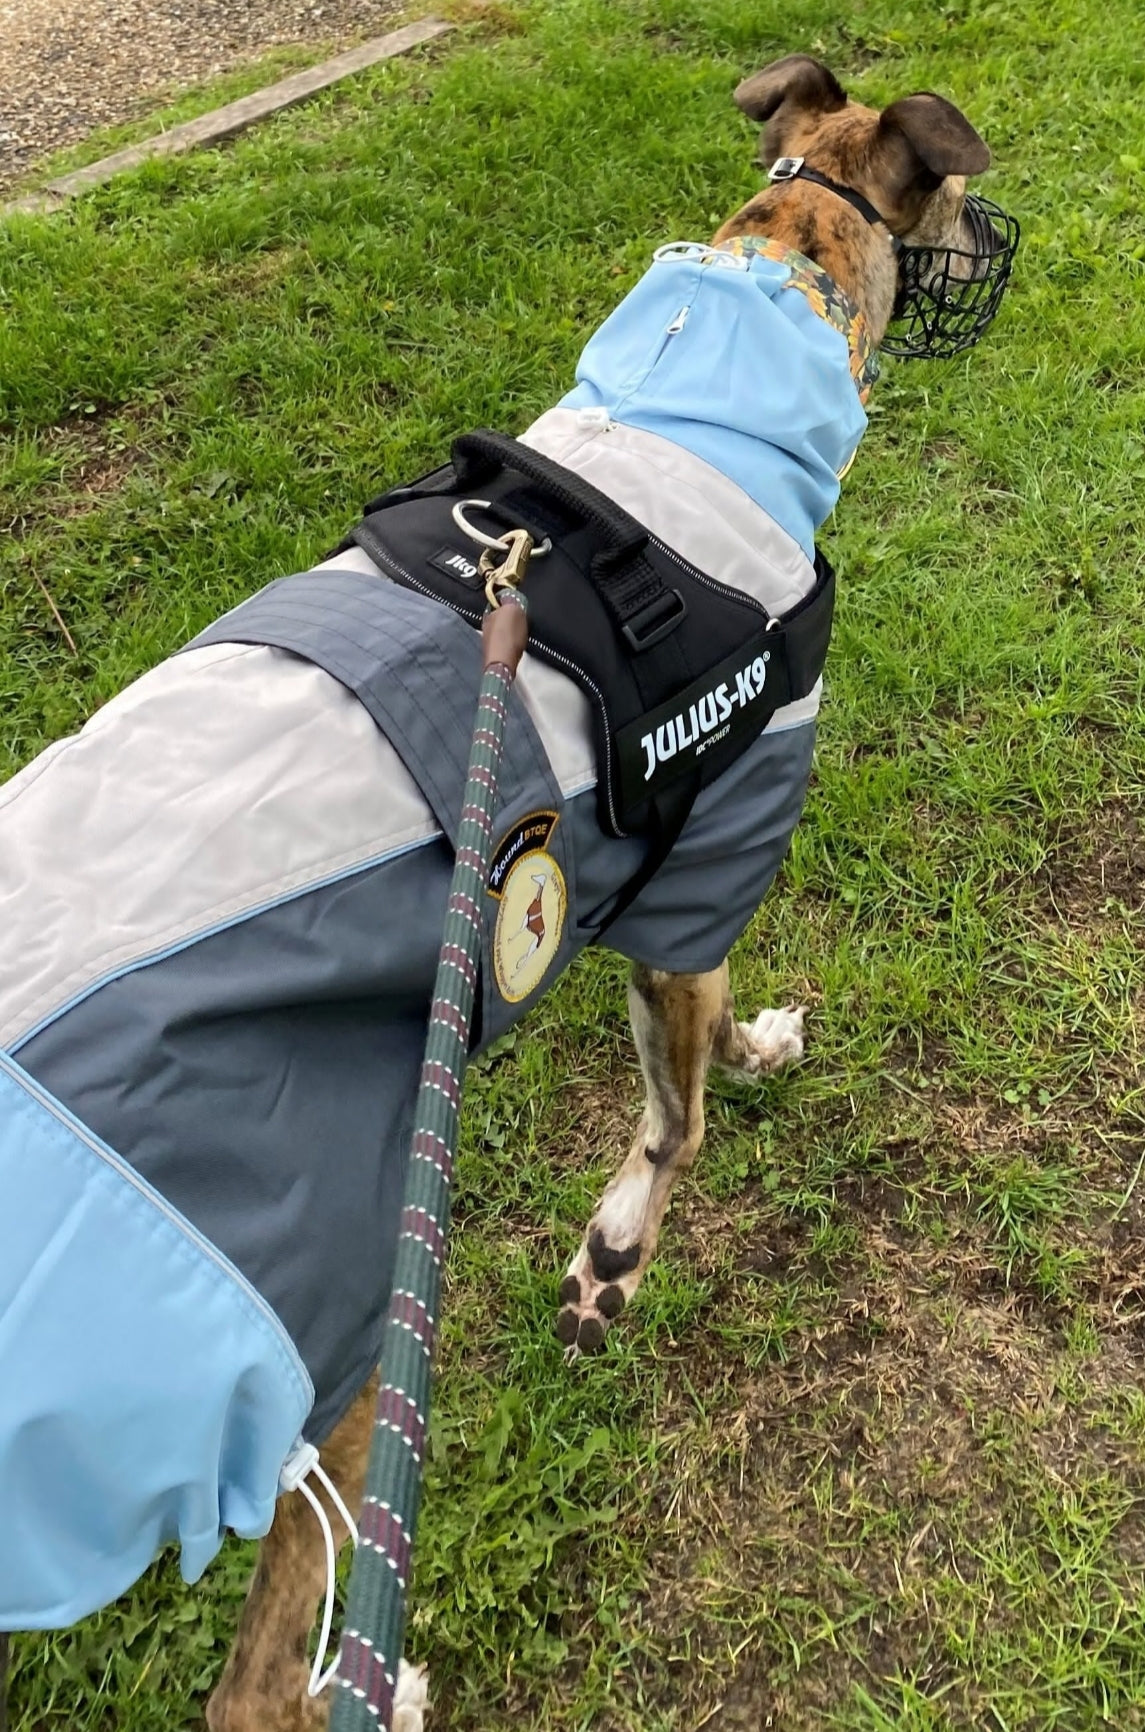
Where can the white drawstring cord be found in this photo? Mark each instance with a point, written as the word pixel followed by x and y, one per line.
pixel 699 252
pixel 302 1463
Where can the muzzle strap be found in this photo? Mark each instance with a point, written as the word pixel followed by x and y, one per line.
pixel 946 295
pixel 795 168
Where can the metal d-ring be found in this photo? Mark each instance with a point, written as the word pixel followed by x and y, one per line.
pixel 495 543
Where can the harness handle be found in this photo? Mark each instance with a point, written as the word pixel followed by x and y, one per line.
pixel 627 583
pixel 477 456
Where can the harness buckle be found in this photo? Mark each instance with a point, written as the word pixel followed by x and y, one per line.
pixel 785 168
pixel 651 624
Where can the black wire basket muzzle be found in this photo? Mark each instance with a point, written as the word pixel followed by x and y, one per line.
pixel 947 296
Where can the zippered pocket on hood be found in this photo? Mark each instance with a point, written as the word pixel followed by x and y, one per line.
pixel 684 294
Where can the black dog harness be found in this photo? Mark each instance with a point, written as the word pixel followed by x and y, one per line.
pixel 682 672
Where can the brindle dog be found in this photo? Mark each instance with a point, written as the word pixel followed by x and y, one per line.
pixel 910 161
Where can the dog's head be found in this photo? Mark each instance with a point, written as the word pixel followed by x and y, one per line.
pixel 908 165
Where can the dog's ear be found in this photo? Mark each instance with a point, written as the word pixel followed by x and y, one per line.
pixel 938 134
pixel 797 83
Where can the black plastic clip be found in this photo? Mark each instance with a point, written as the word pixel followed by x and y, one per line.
pixel 652 624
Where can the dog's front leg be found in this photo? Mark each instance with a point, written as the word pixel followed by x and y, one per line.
pixel 681 1023
pixel 263 1686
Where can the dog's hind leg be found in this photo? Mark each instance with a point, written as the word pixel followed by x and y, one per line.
pixel 681 1024
pixel 263 1686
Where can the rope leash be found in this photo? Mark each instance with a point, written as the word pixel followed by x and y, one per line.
pixel 375 1615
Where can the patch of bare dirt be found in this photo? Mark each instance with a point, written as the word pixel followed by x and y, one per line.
pixel 93 456
pixel 97 463
pixel 602 1119
pixel 862 1477
pixel 836 1498
pixel 1088 874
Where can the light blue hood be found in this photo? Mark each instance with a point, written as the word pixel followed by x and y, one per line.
pixel 709 351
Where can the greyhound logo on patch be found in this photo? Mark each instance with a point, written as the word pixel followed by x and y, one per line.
pixel 530 922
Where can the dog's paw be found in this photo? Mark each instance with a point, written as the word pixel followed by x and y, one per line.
pixel 595 1291
pixel 773 1040
pixel 411 1698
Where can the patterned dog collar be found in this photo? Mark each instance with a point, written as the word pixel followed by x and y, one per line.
pixel 826 298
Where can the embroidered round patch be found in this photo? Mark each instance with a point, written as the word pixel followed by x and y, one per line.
pixel 530 922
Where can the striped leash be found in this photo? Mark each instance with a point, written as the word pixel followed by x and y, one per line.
pixel 375 1613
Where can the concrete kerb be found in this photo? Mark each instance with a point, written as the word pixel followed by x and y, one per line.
pixel 233 117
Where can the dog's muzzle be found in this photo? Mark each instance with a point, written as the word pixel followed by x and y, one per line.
pixel 948 296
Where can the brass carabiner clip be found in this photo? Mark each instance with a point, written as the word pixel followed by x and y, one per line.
pixel 510 572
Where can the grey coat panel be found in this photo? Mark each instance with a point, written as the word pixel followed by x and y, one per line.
pixel 263 1081
pixel 263 1078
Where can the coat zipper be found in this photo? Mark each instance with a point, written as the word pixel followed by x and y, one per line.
pixel 671 329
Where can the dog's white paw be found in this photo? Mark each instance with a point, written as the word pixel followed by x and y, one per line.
pixel 411 1698
pixel 774 1039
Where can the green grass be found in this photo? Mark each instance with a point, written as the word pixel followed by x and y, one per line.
pixel 868 1453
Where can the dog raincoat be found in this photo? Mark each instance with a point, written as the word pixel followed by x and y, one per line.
pixel 221 903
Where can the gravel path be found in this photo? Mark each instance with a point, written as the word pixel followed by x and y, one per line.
pixel 68 66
